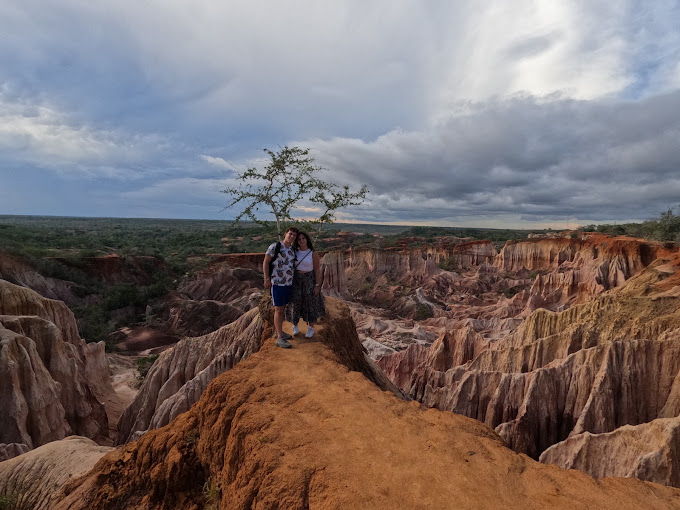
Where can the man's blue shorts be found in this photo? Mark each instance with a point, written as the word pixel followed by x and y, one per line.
pixel 281 294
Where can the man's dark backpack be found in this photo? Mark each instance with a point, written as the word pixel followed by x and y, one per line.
pixel 277 251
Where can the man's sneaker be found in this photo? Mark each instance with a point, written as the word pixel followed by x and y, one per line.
pixel 286 336
pixel 310 332
pixel 296 330
pixel 283 343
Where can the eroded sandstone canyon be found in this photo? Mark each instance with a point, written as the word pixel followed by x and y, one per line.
pixel 565 349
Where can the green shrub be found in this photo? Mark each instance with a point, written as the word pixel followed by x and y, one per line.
pixel 144 364
pixel 423 312
pixel 448 264
pixel 8 502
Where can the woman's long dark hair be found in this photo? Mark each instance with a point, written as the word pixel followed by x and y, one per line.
pixel 309 241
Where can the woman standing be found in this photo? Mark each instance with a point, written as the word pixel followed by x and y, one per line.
pixel 307 298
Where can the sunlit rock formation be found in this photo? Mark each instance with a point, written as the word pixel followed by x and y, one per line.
pixel 648 451
pixel 571 271
pixel 593 368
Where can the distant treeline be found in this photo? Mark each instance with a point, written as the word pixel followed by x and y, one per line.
pixel 177 240
pixel 664 228
pixel 59 236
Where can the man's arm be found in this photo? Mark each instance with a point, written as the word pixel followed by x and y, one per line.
pixel 265 270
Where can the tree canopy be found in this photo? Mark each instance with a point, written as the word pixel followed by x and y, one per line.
pixel 290 178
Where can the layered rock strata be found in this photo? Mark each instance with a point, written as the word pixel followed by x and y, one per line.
pixel 649 452
pixel 571 271
pixel 52 383
pixel 217 296
pixel 591 369
pixel 180 374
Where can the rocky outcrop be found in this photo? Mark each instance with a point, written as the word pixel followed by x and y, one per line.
pixel 619 257
pixel 399 366
pixel 345 272
pixel 52 383
pixel 188 317
pixel 217 296
pixel 35 479
pixel 33 414
pixel 334 280
pixel 222 283
pixel 571 271
pixel 181 374
pixel 16 300
pixel 297 429
pixel 15 270
pixel 648 452
pixel 422 261
pixel 252 261
pixel 9 451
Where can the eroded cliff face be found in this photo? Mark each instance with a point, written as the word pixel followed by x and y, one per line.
pixel 470 281
pixel 218 295
pixel 300 428
pixel 52 383
pixel 648 451
pixel 180 374
pixel 563 272
pixel 15 270
pixel 571 271
pixel 593 368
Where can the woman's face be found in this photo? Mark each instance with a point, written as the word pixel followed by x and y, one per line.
pixel 302 242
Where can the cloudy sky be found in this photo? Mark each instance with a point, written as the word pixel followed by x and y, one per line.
pixel 465 113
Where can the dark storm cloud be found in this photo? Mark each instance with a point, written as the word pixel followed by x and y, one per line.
pixel 557 159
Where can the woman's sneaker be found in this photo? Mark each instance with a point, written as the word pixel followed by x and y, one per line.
pixel 310 332
pixel 296 330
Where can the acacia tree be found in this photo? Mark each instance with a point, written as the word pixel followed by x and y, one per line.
pixel 290 177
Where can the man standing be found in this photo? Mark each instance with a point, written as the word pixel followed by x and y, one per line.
pixel 278 275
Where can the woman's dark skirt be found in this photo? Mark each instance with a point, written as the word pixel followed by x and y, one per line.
pixel 305 305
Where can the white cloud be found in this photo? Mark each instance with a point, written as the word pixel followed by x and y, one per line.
pixel 223 163
pixel 42 135
pixel 183 190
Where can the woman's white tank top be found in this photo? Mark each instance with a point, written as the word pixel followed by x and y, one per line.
pixel 304 262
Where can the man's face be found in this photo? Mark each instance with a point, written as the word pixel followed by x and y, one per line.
pixel 290 237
